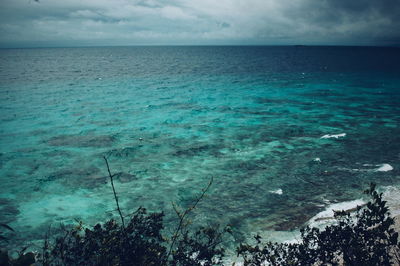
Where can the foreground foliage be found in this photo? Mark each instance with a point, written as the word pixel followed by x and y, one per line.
pixel 365 237
pixel 139 243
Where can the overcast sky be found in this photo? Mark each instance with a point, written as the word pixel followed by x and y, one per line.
pixel 198 22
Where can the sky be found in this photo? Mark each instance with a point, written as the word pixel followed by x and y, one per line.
pixel 46 23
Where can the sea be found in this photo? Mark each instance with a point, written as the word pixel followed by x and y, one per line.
pixel 283 133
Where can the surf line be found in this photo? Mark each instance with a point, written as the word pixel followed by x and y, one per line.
pixel 348 211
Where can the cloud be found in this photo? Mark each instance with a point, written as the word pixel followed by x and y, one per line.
pixel 175 13
pixel 129 22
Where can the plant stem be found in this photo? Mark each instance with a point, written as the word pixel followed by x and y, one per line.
pixel 115 193
pixel 182 216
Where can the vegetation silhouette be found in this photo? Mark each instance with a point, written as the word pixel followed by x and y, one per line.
pixel 365 237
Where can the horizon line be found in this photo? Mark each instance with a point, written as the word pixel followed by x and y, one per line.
pixel 200 45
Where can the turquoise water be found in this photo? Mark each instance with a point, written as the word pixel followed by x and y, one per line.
pixel 169 118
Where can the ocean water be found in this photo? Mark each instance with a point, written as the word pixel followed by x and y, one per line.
pixel 284 131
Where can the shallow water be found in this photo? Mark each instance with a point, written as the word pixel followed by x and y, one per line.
pixel 169 118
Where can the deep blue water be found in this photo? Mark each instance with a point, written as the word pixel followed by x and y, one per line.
pixel 169 118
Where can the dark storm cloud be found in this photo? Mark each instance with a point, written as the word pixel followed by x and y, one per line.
pixel 340 11
pixel 122 22
pixel 385 7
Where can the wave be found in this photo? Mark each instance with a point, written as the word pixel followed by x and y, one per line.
pixel 327 216
pixel 278 191
pixel 384 168
pixel 328 136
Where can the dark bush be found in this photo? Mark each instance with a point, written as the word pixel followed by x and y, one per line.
pixel 139 243
pixel 364 238
pixel 201 248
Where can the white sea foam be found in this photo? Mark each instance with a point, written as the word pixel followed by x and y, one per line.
pixel 390 193
pixel 278 191
pixel 328 136
pixel 326 215
pixel 326 201
pixel 384 167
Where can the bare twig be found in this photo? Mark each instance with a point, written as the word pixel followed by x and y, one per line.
pixel 184 214
pixel 115 193
pixel 132 213
pixel 46 248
